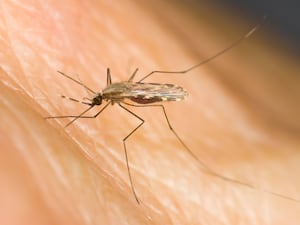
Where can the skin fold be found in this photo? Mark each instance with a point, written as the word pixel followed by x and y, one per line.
pixel 241 117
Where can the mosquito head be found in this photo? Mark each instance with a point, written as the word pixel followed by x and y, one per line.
pixel 97 99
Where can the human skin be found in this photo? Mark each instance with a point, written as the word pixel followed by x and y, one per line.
pixel 241 118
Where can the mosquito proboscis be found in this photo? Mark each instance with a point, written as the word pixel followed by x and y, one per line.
pixel 144 95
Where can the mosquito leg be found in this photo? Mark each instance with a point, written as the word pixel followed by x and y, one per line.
pixel 179 139
pixel 125 150
pixel 80 115
pixel 76 81
pixel 171 128
pixel 133 75
pixel 207 169
pixel 108 77
pixel 210 171
pixel 209 59
pixel 85 88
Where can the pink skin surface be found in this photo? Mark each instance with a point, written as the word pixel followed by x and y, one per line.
pixel 241 117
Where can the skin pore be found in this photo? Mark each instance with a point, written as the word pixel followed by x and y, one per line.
pixel 241 117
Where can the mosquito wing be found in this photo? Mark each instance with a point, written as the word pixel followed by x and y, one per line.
pixel 144 93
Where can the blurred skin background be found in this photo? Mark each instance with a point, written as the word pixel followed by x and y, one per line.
pixel 241 118
pixel 283 16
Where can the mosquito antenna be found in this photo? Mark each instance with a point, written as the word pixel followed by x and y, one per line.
pixel 76 81
pixel 211 58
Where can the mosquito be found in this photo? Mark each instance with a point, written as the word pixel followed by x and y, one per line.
pixel 143 94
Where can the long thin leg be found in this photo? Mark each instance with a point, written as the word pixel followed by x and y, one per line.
pixel 133 75
pixel 84 86
pixel 125 150
pixel 171 128
pixel 76 81
pixel 208 170
pixel 108 77
pixel 211 58
pixel 80 116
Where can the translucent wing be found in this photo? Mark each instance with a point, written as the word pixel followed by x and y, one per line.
pixel 144 93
